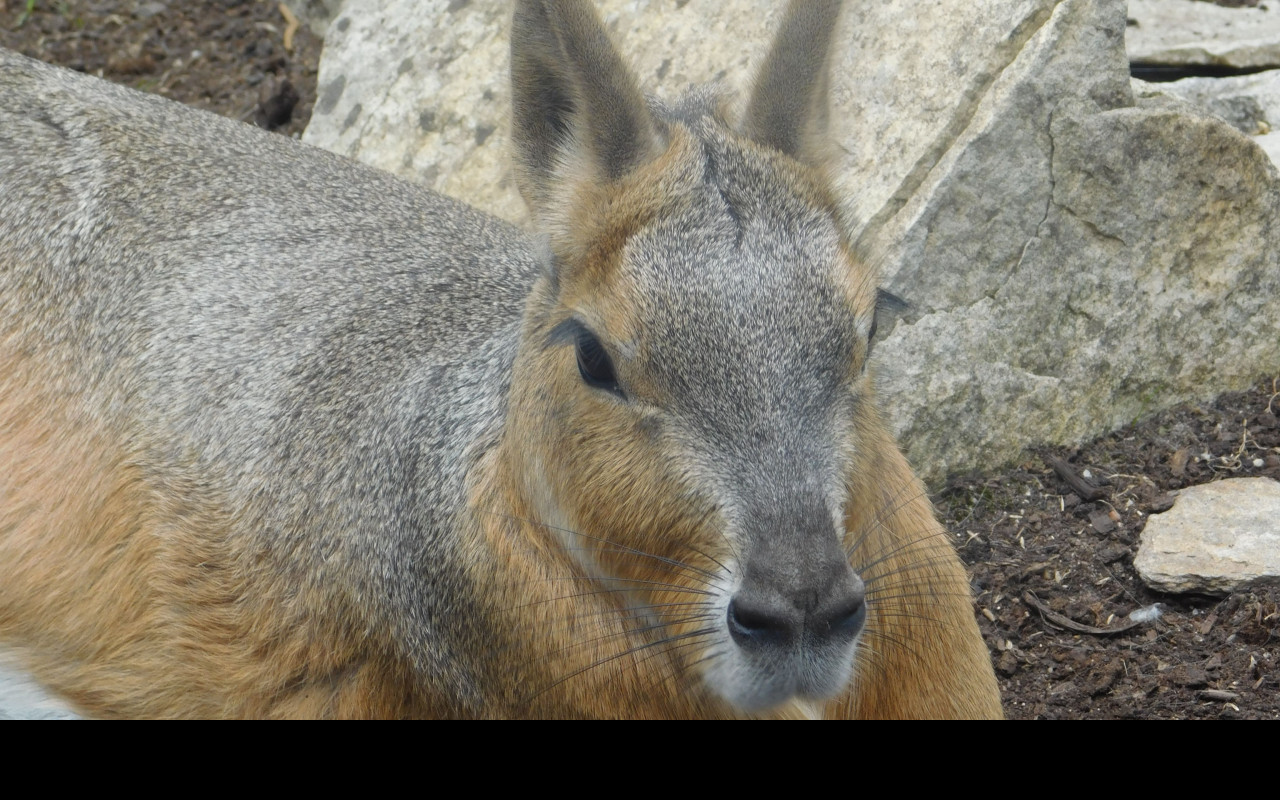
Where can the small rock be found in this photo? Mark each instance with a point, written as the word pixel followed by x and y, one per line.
pixel 1189 676
pixel 276 101
pixel 1112 553
pixel 1204 629
pixel 1102 522
pixel 1008 663
pixel 1202 33
pixel 261 48
pixel 1218 538
pixel 149 10
pixel 1101 679
pixel 131 61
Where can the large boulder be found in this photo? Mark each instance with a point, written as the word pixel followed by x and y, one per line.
pixel 1075 257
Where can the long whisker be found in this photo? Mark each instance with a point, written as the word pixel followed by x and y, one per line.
pixel 881 519
pixel 672 586
pixel 870 663
pixel 890 554
pixel 891 639
pixel 631 631
pixel 633 620
pixel 733 550
pixel 623 654
pixel 713 559
pixel 922 617
pixel 621 547
pixel 882 598
pixel 691 572
pixel 870 656
pixel 940 559
pixel 632 611
pixel 677 669
pixel 626 632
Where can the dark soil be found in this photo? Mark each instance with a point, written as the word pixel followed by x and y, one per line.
pixel 226 56
pixel 1030 538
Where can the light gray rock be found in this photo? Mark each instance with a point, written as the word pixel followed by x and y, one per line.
pixel 1249 103
pixel 417 88
pixel 440 117
pixel 1218 538
pixel 1075 258
pixel 1194 32
pixel 1075 261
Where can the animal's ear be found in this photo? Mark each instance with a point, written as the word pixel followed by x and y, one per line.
pixel 789 107
pixel 889 309
pixel 577 110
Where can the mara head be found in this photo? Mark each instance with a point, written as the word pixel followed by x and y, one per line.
pixel 690 399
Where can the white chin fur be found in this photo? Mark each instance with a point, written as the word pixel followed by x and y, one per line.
pixel 754 684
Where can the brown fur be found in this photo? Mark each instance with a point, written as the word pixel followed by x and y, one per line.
pixel 921 654
pixel 130 603
pixel 133 606
pixel 918 591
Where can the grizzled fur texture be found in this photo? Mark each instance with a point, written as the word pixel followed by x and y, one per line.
pixel 283 436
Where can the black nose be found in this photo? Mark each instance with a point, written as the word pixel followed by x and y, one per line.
pixel 762 615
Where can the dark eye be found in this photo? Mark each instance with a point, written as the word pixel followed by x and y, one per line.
pixel 594 363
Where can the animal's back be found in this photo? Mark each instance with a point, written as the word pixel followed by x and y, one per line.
pixel 253 371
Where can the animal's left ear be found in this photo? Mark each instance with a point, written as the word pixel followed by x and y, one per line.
pixel 789 107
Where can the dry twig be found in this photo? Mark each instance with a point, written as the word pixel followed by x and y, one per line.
pixel 1087 491
pixel 290 27
pixel 1066 622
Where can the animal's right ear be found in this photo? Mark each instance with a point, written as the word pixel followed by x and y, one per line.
pixel 577 110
